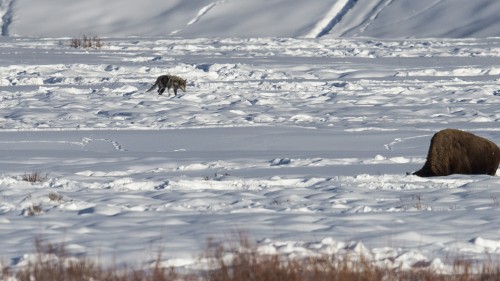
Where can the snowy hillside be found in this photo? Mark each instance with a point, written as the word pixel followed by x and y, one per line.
pixel 256 18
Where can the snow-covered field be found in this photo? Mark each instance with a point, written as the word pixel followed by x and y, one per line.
pixel 302 143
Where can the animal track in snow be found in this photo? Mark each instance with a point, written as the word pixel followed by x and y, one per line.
pixel 101 144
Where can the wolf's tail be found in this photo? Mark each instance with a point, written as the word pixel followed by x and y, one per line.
pixel 152 88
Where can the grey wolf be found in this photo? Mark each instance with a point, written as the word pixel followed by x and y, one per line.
pixel 457 152
pixel 169 81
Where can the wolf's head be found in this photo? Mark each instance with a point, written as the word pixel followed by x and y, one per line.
pixel 182 84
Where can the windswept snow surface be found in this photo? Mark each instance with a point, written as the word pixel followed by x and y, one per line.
pixel 256 18
pixel 304 144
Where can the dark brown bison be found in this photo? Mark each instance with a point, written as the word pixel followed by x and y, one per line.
pixel 458 152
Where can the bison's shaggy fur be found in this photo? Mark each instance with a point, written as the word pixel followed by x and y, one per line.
pixel 458 152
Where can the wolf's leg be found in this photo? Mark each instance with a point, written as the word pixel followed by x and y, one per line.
pixel 160 91
pixel 175 91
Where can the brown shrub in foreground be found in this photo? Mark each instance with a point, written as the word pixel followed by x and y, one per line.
pixel 53 264
pixel 249 265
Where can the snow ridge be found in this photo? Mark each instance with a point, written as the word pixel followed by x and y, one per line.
pixel 203 11
pixel 374 15
pixel 334 15
pixel 6 12
pixel 384 5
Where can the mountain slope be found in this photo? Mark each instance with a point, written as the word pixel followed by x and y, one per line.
pixel 423 18
pixel 259 18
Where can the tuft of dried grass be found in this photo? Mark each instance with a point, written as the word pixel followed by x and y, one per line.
pixel 34 177
pixel 55 197
pixel 33 210
pixel 87 41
